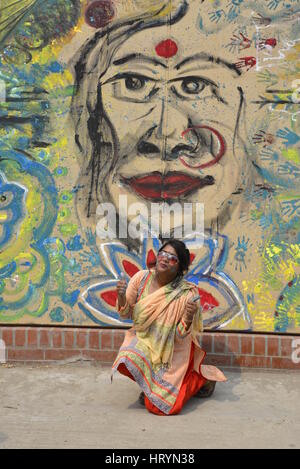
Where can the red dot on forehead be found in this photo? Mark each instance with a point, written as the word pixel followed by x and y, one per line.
pixel 166 49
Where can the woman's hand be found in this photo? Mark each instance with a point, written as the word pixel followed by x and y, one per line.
pixel 190 311
pixel 121 289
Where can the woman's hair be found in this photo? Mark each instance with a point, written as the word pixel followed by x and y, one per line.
pixel 183 255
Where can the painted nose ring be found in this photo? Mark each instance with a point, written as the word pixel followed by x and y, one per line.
pixel 217 158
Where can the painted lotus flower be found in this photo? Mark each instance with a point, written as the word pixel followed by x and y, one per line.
pixel 220 299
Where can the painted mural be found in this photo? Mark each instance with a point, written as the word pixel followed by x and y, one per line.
pixel 127 105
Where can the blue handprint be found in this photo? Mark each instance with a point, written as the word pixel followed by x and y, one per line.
pixel 232 14
pixel 291 207
pixel 289 170
pixel 215 16
pixel 91 238
pixel 267 77
pixel 290 137
pixel 266 221
pixel 91 257
pixel 273 4
pixel 267 153
pixel 234 9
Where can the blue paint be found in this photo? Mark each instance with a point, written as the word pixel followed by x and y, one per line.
pixel 54 67
pixel 57 315
pixel 250 298
pixel 8 270
pixel 75 244
pixel 16 305
pixel 12 205
pixel 70 298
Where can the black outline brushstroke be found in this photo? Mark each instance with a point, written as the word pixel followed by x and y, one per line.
pixel 209 58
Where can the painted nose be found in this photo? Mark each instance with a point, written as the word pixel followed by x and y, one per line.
pixel 167 148
pixel 165 138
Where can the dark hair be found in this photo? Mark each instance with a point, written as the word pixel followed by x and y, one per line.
pixel 183 255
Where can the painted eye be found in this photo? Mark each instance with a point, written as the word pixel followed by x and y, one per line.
pixel 2 198
pixel 134 83
pixel 192 86
pixel 134 88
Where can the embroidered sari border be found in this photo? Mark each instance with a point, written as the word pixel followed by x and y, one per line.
pixel 162 388
pixel 155 378
pixel 139 378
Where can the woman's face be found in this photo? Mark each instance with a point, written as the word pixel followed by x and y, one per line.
pixel 174 104
pixel 166 264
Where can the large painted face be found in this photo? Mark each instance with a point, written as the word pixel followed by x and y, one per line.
pixel 174 103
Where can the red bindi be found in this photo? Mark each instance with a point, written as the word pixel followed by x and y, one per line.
pixel 166 49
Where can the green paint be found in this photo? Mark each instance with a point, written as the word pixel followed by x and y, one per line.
pixel 68 229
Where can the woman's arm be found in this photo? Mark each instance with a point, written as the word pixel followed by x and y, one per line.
pixel 126 302
pixel 192 309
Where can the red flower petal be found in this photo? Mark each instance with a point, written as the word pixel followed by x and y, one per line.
pixel 151 259
pixel 130 268
pixel 207 300
pixel 192 257
pixel 110 297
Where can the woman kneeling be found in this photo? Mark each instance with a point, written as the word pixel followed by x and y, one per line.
pixel 161 351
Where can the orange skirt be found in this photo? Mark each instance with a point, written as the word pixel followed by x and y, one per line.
pixel 192 383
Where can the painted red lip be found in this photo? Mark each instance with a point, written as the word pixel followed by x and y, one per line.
pixel 157 186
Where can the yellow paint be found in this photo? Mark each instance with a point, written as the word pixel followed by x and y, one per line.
pixel 284 197
pixel 258 287
pixel 53 81
pixel 291 154
pixel 34 207
pixel 294 251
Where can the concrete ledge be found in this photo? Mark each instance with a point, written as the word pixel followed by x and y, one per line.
pixel 229 349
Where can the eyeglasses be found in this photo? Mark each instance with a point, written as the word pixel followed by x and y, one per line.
pixel 172 260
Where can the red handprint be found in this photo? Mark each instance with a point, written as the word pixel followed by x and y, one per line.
pixel 246 62
pixel 262 137
pixel 241 41
pixel 267 43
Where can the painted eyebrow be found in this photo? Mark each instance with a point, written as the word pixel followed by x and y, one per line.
pixel 209 58
pixel 127 75
pixel 137 57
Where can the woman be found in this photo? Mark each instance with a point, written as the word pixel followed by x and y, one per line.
pixel 161 352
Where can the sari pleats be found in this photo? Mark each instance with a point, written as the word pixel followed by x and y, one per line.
pixel 192 383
